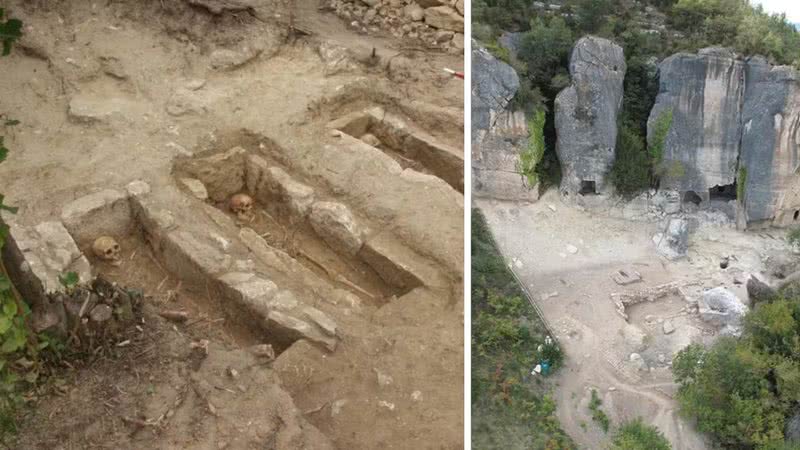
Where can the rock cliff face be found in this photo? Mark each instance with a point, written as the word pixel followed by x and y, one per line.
pixel 586 115
pixel 705 94
pixel 732 119
pixel 498 134
pixel 771 143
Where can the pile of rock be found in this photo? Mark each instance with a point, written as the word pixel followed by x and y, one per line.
pixel 91 314
pixel 438 23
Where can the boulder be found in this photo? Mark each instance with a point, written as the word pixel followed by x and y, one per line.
pixel 444 18
pixel 792 428
pixel 703 92
pixel 673 243
pixel 586 115
pixel 722 308
pixel 758 291
pixel 498 134
pixel 336 225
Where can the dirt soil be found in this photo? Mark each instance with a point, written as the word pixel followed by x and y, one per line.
pixel 111 92
pixel 566 256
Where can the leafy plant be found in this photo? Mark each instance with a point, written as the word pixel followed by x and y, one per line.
pixel 10 31
pixel 533 154
pixel 661 128
pixel 741 183
pixel 14 336
pixel 636 435
pixel 598 415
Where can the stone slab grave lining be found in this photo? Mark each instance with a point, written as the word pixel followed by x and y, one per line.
pixel 195 253
pixel 322 234
pixel 411 148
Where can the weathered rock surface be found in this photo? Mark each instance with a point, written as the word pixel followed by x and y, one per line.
pixel 444 18
pixel 37 256
pixel 721 307
pixel 770 143
pixel 673 243
pixel 336 225
pixel 704 93
pixel 586 115
pixel 104 213
pixel 498 133
pixel 758 291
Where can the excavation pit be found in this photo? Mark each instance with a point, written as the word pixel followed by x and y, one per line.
pixel 301 221
pixel 411 148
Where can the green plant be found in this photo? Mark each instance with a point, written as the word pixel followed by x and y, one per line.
pixel 14 336
pixel 636 435
pixel 741 183
pixel 630 173
pixel 10 31
pixel 794 236
pixel 532 156
pixel 598 415
pixel 661 129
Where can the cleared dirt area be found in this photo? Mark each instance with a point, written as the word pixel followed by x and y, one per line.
pixel 341 267
pixel 569 258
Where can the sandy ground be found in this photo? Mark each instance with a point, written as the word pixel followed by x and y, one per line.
pixel 573 289
pixel 107 94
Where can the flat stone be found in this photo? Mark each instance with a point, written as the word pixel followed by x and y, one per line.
pixel 38 256
pixel 101 313
pixel 668 327
pixel 444 18
pixel 196 187
pixel 336 225
pixel 222 173
pixel 297 196
pixel 187 256
pixel 626 276
pixel 104 213
pixel 299 329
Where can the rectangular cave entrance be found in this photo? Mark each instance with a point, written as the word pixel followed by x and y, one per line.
pixel 588 187
pixel 723 193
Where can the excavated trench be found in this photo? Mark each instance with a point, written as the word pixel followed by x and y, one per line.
pixel 411 148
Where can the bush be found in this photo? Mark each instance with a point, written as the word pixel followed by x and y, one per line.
pixel 630 173
pixel 530 158
pixel 741 391
pixel 636 435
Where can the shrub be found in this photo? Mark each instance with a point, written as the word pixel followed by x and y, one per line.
pixel 636 435
pixel 598 415
pixel 630 173
pixel 532 156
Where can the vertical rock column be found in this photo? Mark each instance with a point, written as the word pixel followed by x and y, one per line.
pixel 499 134
pixel 586 115
pixel 771 144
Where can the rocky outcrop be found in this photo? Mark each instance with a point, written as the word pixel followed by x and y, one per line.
pixel 704 92
pixel 770 144
pixel 586 115
pixel 498 133
pixel 733 122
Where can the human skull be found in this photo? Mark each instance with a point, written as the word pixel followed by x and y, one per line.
pixel 107 249
pixel 242 205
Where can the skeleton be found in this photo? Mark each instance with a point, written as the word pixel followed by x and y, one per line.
pixel 242 205
pixel 107 249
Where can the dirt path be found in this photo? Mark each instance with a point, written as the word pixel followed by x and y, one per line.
pixel 567 256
